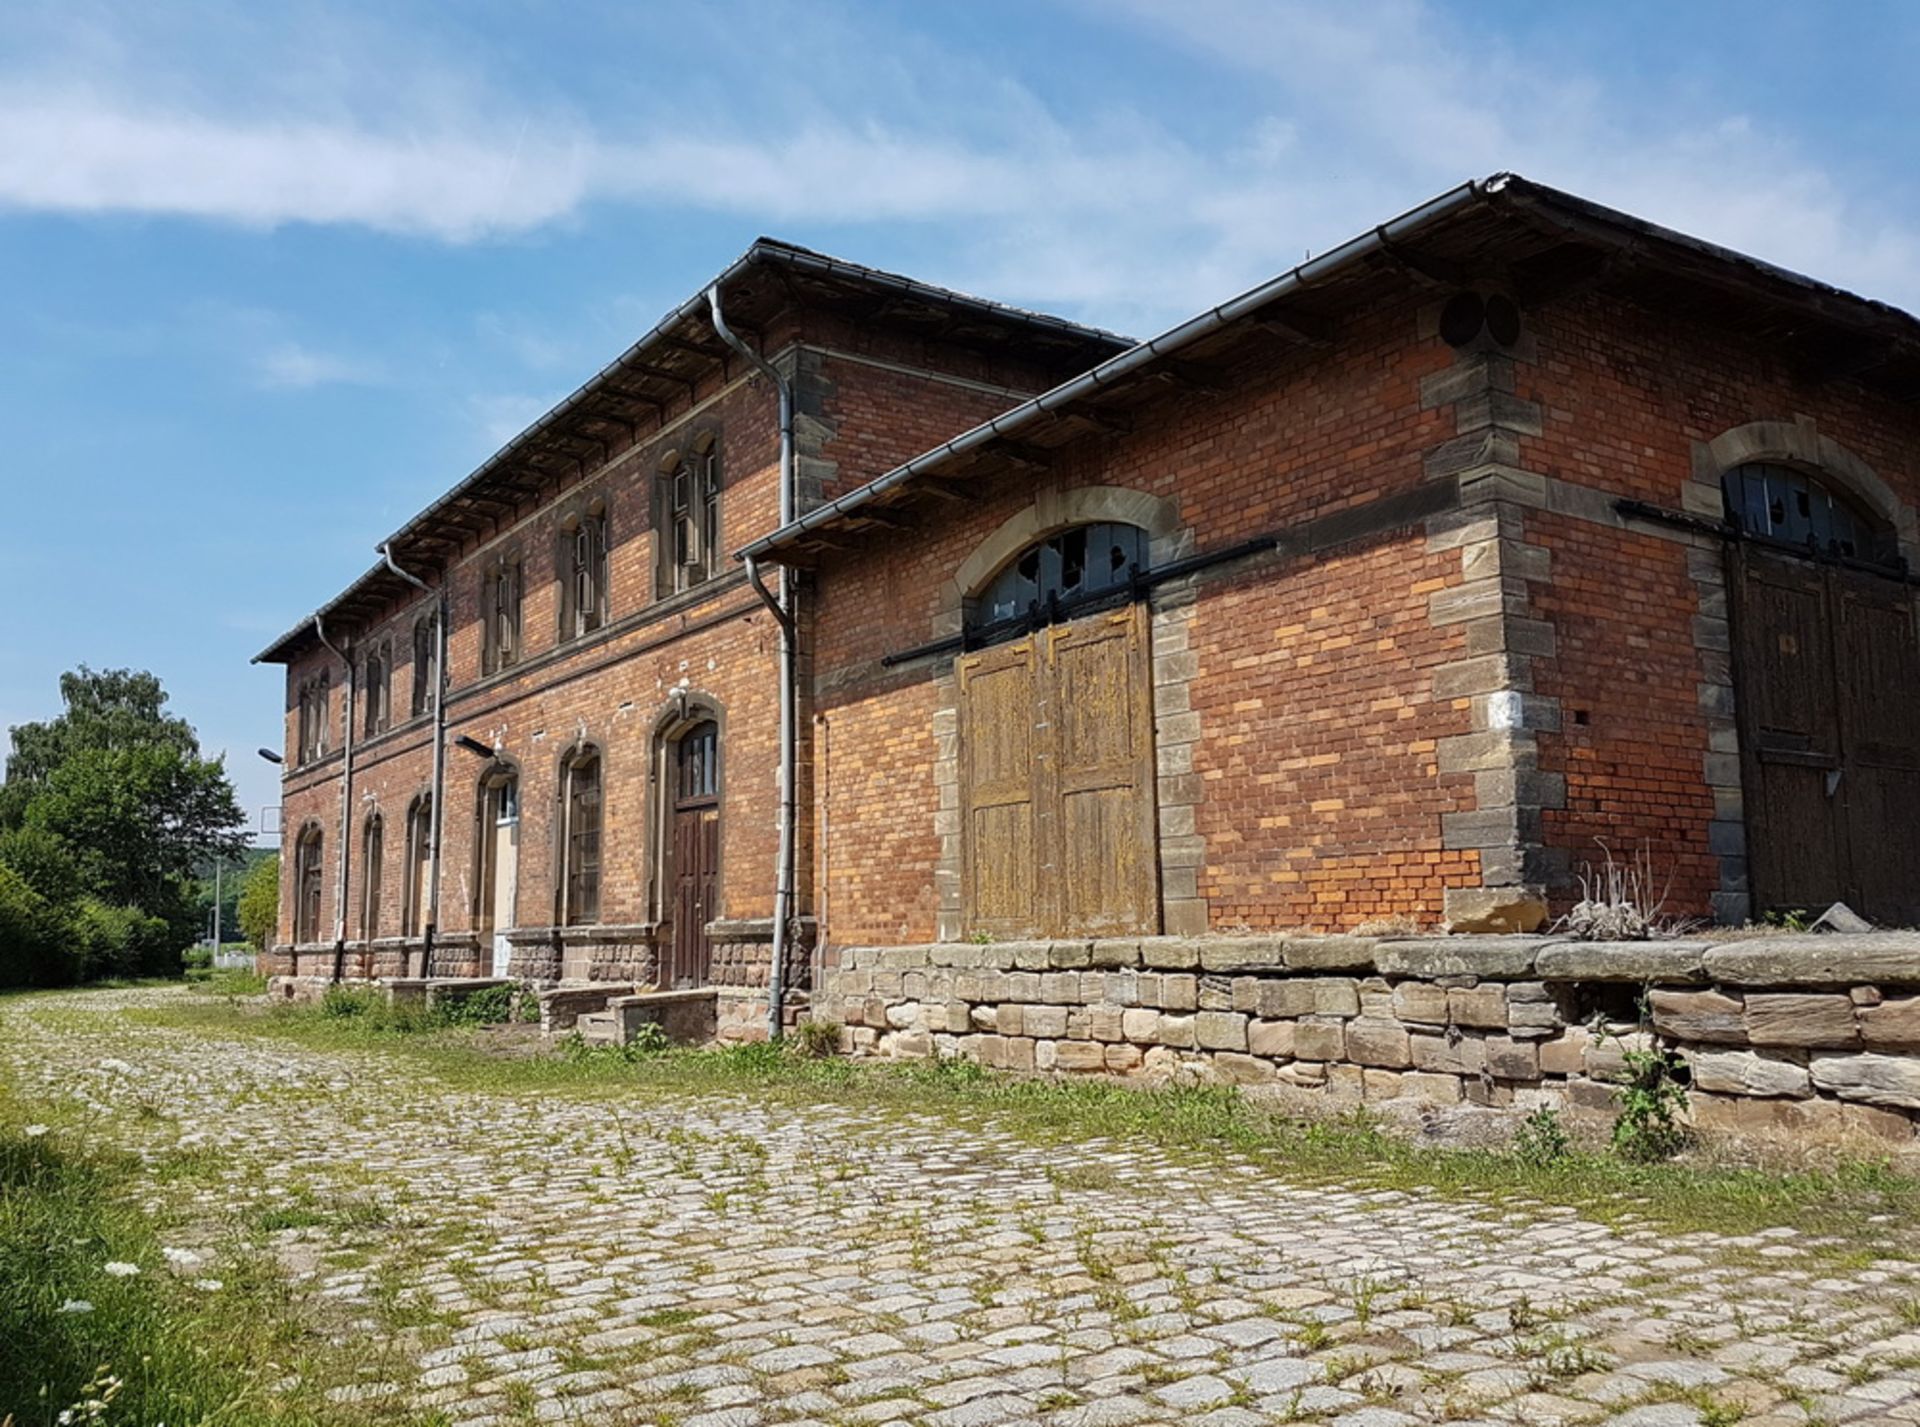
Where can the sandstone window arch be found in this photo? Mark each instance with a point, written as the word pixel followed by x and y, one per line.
pixel 687 515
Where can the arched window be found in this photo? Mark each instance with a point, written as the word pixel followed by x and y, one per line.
pixel 579 833
pixel 378 679
pixel 1788 505
pixel 581 561
pixel 426 664
pixel 372 861
pixel 1061 574
pixel 417 895
pixel 308 885
pixel 687 516
pixel 500 615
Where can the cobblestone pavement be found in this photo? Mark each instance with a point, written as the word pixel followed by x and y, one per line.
pixel 717 1264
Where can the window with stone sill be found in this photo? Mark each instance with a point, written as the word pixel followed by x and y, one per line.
pixel 581 561
pixel 687 516
pixel 578 886
pixel 500 589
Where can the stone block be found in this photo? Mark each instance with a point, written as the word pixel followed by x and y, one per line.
pixel 1380 1084
pixel 1703 1016
pixel 1064 988
pixel 1069 955
pixel 1742 1072
pixel 1591 1095
pixel 1007 1020
pixel 1481 1007
pixel 1179 993
pixel 1534 1019
pixel 1890 1025
pixel 1420 1002
pixel 1335 996
pixel 1376 999
pixel 1379 1043
pixel 1271 1038
pixel 1431 1088
pixel 1177 1031
pixel 1023 986
pixel 1221 1030
pixel 1872 1078
pixel 1565 1054
pixel 1216 993
pixel 1307 1074
pixel 1329 953
pixel 1320 1038
pixel 1016 1053
pixel 1494 909
pixel 1872 959
pixel 1123 1059
pixel 1677 963
pixel 1110 954
pixel 1504 958
pixel 1141 1025
pixel 1810 1021
pixel 1606 1057
pixel 1104 1023
pixel 1079 1055
pixel 1170 953
pixel 1512 1059
pixel 1230 954
pixel 1448 1054
pixel 1246 993
pixel 1043 1022
pixel 1284 999
pixel 1240 1069
pixel 1045 1053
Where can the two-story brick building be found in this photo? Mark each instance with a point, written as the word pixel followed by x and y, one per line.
pixel 1393 588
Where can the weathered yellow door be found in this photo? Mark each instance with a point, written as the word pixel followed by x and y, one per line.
pixel 1056 754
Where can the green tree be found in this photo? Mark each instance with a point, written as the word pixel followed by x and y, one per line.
pixel 260 901
pixel 112 803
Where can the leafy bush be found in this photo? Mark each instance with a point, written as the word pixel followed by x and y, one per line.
pixel 1648 1128
pixel 32 936
pixel 111 941
pixel 1541 1141
pixel 818 1038
pixel 259 903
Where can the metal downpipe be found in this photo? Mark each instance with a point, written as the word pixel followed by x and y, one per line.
pixel 346 807
pixel 782 609
pixel 438 810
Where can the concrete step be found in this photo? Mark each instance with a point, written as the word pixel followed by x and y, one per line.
pixel 600 1028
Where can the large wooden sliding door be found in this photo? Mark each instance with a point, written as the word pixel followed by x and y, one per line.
pixel 1828 668
pixel 1056 752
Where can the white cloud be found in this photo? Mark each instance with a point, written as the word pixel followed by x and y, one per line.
pixel 1129 217
pixel 498 417
pixel 292 367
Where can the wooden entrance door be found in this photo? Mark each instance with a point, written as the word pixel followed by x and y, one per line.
pixel 1828 665
pixel 694 856
pixel 1056 754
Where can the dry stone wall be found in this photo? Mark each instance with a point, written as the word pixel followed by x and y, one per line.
pixel 1809 1035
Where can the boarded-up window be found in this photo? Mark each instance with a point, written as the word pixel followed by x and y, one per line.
pixel 377 677
pixel 372 864
pixel 580 819
pixel 418 893
pixel 500 616
pixel 581 561
pixel 687 517
pixel 308 886
pixel 426 665
pixel 1056 751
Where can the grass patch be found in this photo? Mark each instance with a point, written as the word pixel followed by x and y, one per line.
pixel 1836 1204
pixel 94 1312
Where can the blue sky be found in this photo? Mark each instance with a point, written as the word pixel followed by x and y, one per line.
pixel 271 277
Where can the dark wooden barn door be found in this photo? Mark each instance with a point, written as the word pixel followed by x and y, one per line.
pixel 1828 669
pixel 696 856
pixel 1056 750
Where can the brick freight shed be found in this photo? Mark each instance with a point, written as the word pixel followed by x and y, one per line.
pixel 1392 589
pixel 1388 589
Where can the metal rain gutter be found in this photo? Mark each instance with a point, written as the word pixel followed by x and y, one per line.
pixel 1306 275
pixel 346 803
pixel 438 811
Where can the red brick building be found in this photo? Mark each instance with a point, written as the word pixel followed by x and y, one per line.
pixel 1392 588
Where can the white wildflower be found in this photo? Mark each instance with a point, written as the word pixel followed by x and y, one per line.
pixel 208 1285
pixel 76 1305
pixel 33 1132
pixel 120 1270
pixel 180 1258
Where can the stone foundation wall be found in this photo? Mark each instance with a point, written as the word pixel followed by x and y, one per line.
pixel 1811 1035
